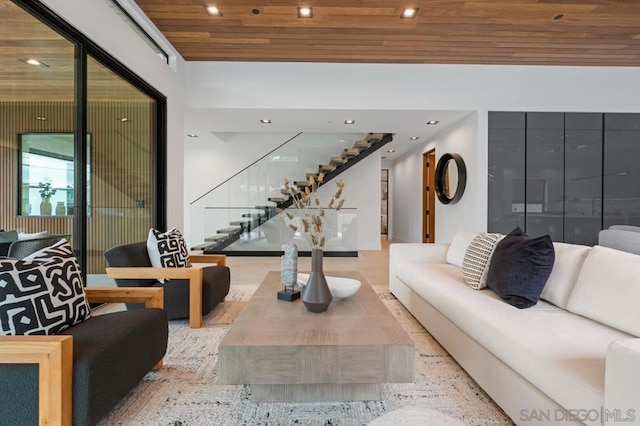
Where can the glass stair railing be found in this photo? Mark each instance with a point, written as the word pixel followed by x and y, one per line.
pixel 239 216
pixel 261 235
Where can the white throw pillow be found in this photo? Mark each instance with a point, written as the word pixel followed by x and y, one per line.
pixel 477 258
pixel 608 289
pixel 458 247
pixel 22 236
pixel 167 249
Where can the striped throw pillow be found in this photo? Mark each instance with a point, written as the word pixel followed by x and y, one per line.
pixel 475 264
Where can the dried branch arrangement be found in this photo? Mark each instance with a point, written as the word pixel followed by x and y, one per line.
pixel 314 216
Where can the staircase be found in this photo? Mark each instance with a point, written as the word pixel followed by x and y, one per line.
pixel 255 219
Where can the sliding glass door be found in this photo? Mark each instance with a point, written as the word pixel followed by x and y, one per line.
pixel 37 124
pixel 120 200
pixel 81 138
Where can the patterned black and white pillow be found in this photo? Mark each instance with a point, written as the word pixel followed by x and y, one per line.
pixel 43 293
pixel 477 258
pixel 167 249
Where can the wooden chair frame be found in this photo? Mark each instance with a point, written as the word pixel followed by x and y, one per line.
pixel 54 354
pixel 193 274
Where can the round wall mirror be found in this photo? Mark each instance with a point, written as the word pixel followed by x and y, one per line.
pixel 451 178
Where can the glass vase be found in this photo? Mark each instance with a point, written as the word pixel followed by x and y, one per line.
pixel 45 207
pixel 316 295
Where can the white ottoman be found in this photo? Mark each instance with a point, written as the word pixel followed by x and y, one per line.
pixel 408 416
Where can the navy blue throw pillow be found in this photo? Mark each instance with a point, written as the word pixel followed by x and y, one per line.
pixel 520 269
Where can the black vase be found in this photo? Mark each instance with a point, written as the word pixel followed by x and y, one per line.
pixel 316 295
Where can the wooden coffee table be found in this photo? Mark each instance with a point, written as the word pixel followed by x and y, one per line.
pixel 288 354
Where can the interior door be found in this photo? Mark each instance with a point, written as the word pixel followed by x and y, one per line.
pixel 428 196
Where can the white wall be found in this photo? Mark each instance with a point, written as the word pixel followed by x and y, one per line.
pixel 407 187
pixel 479 88
pixel 99 23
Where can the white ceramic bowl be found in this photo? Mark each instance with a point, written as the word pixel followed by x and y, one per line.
pixel 341 288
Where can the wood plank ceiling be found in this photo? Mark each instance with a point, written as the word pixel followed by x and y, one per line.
pixel 523 32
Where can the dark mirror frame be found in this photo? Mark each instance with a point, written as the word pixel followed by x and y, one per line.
pixel 441 176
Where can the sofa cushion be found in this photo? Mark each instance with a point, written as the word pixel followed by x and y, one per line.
pixel 569 260
pixel 111 354
pixel 560 353
pixel 520 268
pixel 458 247
pixel 417 274
pixel 608 289
pixel 43 294
pixel 477 258
pixel 631 228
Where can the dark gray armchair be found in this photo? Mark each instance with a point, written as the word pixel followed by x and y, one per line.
pixel 188 293
pixel 78 376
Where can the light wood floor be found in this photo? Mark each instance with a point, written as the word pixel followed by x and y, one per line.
pixel 373 264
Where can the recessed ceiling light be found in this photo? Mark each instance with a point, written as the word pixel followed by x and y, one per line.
pixel 265 121
pixel 41 118
pixel 409 12
pixel 349 121
pixel 305 12
pixel 414 138
pixel 34 62
pixel 391 150
pixel 432 122
pixel 213 10
pixel 192 135
pixel 124 119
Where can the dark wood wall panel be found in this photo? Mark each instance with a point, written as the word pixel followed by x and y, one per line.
pixel 121 171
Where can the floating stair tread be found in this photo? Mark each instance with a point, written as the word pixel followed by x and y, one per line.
pixel 277 199
pixel 202 246
pixel 301 183
pixel 350 152
pixel 253 215
pixel 361 144
pixel 229 230
pixel 241 222
pixel 216 237
pixel 326 167
pixel 338 160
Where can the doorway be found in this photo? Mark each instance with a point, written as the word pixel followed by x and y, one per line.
pixel 428 196
pixel 384 207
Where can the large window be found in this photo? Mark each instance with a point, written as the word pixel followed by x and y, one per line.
pixel 81 138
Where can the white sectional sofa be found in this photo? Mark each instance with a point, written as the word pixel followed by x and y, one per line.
pixel 572 358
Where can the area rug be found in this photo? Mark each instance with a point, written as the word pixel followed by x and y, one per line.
pixel 185 391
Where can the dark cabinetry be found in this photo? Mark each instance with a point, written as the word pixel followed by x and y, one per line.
pixel 563 174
